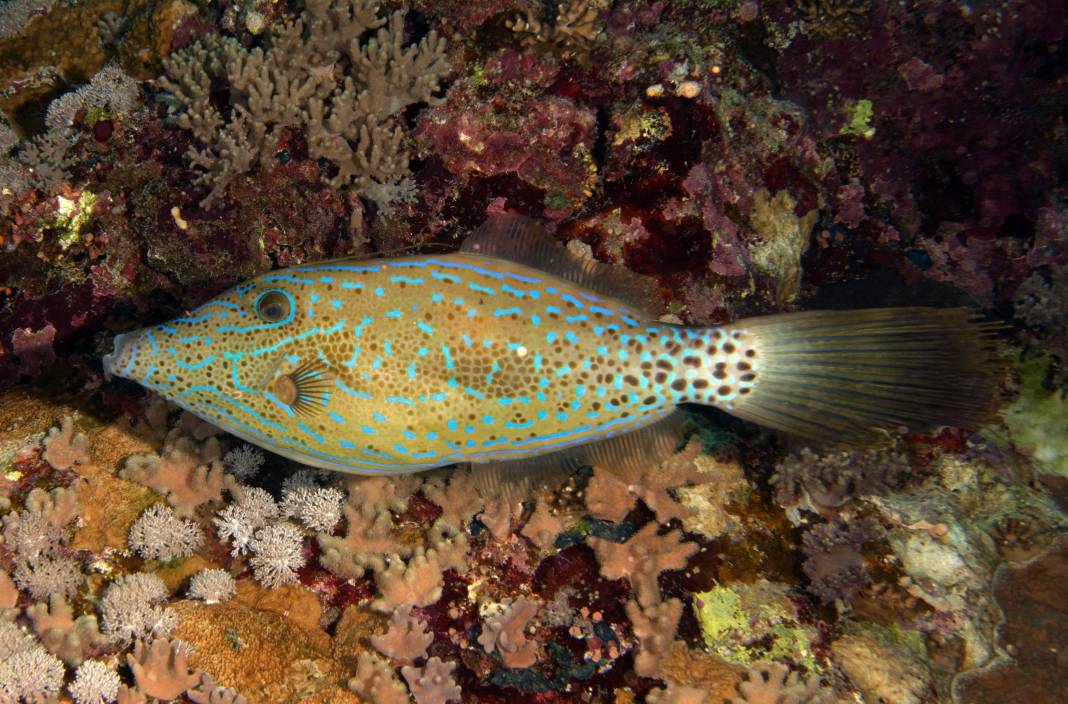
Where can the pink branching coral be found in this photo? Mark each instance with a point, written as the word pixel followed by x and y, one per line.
pixel 162 669
pixel 368 536
pixel 159 534
pixel 611 495
pixel 676 693
pixel 374 682
pixel 654 627
pixel 207 692
pixel 774 683
pixel 459 499
pixel 543 526
pixel 505 633
pixel 184 474
pixel 644 556
pixel 382 493
pixel 66 637
pixel 65 448
pixel 407 638
pixel 432 684
pixel 419 582
pixel 497 517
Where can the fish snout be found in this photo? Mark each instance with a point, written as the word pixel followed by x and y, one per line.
pixel 123 354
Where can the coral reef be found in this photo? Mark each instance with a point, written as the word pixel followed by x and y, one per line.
pixel 738 153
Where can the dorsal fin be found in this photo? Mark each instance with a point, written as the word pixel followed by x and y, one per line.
pixel 526 241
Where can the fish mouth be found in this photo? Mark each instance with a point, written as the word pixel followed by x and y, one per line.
pixel 122 356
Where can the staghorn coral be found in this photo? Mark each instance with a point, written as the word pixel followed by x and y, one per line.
pixel 655 627
pixel 775 683
pixel 505 633
pixel 212 586
pixel 277 551
pixel 318 74
pixel 94 683
pixel 407 638
pixel 64 448
pixel 374 681
pixel 642 558
pixel 161 670
pixel 160 535
pixel 130 608
pixel 433 683
pixel 187 475
pixel 64 636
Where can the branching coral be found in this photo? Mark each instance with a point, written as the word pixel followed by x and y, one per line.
pixel 375 682
pixel 418 582
pixel 207 692
pixel 368 536
pixel 186 474
pixel 94 683
pixel 407 638
pixel 238 522
pixel 318 73
pixel 277 551
pixel 64 636
pixel 213 586
pixel 655 627
pixel 543 526
pixel 432 684
pixel 160 535
pixel 64 447
pixel 318 507
pixel 642 558
pixel 774 683
pixel 130 608
pixel 505 633
pixel 162 670
pixel 30 675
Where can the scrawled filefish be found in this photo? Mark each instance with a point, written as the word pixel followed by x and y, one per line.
pixel 511 349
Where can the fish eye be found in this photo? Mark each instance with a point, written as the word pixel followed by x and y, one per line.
pixel 273 306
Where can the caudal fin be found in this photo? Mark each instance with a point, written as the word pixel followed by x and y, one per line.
pixel 857 376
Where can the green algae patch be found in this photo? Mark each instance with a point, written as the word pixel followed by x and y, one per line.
pixel 752 622
pixel 1038 420
pixel 859 114
pixel 73 216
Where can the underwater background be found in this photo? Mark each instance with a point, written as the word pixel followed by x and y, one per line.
pixel 751 156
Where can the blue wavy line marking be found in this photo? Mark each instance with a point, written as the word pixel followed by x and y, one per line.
pixel 181 363
pixel 339 325
pixel 352 392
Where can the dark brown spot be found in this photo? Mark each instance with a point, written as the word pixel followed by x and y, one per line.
pixel 678 384
pixel 664 364
pixel 649 400
pixel 724 390
pixel 750 353
pixel 748 377
pixel 660 377
pixel 744 391
pixel 700 383
pixel 744 366
pixel 729 347
pixel 630 379
pixel 692 360
pixel 720 374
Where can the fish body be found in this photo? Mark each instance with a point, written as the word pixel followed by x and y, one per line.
pixel 412 363
pixel 400 365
